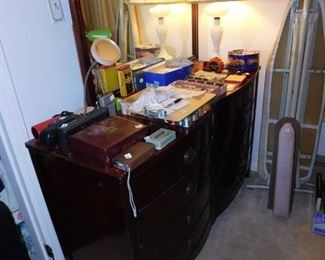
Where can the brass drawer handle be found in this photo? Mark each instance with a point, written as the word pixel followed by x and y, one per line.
pixel 190 156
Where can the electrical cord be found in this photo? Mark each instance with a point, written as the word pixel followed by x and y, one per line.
pixel 131 199
pixel 85 85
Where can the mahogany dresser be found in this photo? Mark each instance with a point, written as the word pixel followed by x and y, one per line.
pixel 91 212
pixel 178 191
pixel 232 133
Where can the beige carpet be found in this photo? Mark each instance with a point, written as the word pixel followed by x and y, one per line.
pixel 247 230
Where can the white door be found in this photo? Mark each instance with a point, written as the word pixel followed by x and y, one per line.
pixel 39 76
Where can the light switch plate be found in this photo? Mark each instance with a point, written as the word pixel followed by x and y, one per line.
pixel 56 10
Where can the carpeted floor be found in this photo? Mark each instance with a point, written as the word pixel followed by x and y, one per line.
pixel 247 230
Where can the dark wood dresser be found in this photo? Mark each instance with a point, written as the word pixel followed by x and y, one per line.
pixel 232 133
pixel 178 191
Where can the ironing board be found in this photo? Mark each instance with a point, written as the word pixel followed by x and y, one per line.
pixel 294 86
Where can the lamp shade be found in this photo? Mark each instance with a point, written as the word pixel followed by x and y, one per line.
pixel 105 51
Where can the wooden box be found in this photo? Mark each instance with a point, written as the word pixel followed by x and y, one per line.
pixel 99 143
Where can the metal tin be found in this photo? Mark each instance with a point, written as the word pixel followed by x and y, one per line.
pixel 147 50
pixel 161 138
pixel 243 60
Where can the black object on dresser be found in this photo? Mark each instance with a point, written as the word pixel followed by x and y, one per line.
pixel 178 191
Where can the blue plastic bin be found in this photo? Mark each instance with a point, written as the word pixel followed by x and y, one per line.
pixel 159 75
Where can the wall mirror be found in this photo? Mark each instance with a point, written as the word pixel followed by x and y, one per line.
pixel 132 23
pixel 182 23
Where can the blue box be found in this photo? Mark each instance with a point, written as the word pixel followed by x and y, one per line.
pixel 319 223
pixel 160 75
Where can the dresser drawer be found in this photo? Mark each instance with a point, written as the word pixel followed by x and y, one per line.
pixel 157 177
pixel 174 213
pixel 196 236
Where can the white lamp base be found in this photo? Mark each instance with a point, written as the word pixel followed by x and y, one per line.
pixel 216 35
pixel 162 35
pixel 164 54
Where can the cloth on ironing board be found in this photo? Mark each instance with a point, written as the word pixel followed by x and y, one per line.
pixel 284 166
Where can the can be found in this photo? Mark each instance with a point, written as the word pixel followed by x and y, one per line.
pixel 243 60
pixel 147 50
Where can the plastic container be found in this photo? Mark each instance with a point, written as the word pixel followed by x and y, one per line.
pixel 160 75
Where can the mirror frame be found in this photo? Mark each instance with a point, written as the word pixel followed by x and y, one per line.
pixel 195 30
pixel 82 45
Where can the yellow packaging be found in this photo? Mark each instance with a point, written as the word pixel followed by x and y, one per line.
pixel 109 79
pixel 125 80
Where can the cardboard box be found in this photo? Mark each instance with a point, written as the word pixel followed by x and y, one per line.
pixel 109 78
pixel 131 75
pixel 124 74
pixel 319 216
pixel 319 223
pixel 160 75
pixel 233 78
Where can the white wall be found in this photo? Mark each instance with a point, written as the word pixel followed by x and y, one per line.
pixel 39 77
pixel 42 59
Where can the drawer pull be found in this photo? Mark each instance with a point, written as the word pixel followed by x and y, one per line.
pixel 191 242
pixel 190 156
pixel 141 247
pixel 191 188
pixel 190 218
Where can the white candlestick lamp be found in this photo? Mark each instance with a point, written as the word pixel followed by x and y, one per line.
pixel 160 11
pixel 216 32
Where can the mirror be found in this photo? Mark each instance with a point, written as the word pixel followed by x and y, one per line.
pixel 132 24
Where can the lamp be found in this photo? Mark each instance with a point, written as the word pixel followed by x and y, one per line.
pixel 104 52
pixel 216 11
pixel 160 11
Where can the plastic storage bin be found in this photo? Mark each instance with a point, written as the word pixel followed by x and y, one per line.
pixel 160 75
